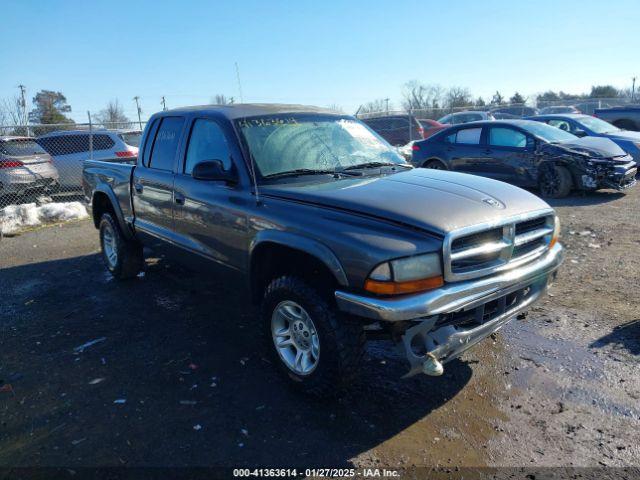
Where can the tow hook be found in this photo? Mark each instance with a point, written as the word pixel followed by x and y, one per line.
pixel 432 366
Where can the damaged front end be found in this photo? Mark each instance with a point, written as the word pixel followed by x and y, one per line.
pixel 593 168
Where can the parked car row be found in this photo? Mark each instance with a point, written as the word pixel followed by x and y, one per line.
pixel 54 161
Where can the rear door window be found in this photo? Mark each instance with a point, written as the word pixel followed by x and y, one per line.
pixel 507 137
pixel 102 142
pixel 469 136
pixel 65 144
pixel 165 146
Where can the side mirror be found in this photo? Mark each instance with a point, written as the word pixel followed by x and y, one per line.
pixel 580 133
pixel 213 170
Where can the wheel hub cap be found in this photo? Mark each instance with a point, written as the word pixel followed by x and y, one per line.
pixel 295 337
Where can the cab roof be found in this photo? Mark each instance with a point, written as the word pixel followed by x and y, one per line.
pixel 242 110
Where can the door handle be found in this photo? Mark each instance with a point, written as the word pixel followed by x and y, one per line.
pixel 138 187
pixel 178 198
pixel 488 150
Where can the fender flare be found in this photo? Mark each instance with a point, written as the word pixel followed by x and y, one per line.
pixel 103 188
pixel 305 244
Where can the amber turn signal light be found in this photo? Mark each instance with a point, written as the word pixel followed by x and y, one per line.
pixel 398 288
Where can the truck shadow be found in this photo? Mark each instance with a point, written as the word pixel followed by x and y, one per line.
pixel 626 336
pixel 182 354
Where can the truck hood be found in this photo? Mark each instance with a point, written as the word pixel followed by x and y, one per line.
pixel 595 147
pixel 433 200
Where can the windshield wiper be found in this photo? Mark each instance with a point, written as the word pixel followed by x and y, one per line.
pixel 301 171
pixel 374 165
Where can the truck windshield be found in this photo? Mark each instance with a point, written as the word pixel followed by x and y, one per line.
pixel 308 144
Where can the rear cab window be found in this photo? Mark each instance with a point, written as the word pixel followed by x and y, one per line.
pixel 165 144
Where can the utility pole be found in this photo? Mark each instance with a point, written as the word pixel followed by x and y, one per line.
pixel 387 102
pixel 137 99
pixel 239 84
pixel 164 103
pixel 633 89
pixel 23 103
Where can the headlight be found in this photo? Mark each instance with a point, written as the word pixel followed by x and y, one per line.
pixel 556 232
pixel 406 275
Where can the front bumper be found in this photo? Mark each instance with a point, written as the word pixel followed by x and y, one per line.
pixel 454 318
pixel 453 296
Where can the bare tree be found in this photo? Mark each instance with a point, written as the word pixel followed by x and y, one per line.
pixel 417 96
pixel 12 111
pixel 112 115
pixel 336 108
pixel 458 97
pixel 497 99
pixel 376 106
pixel 221 99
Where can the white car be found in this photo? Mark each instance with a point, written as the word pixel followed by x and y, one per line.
pixel 70 148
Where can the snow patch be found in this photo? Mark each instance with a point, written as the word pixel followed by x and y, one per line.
pixel 17 217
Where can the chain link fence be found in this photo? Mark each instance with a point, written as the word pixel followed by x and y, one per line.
pixel 41 167
pixel 401 127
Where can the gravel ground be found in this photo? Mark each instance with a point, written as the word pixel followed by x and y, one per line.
pixel 176 376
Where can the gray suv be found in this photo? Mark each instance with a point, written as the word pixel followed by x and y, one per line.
pixel 25 167
pixel 71 147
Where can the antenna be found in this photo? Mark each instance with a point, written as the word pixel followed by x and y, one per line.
pixel 239 83
pixel 164 103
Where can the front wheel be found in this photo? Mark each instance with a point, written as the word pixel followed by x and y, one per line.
pixel 122 257
pixel 316 350
pixel 555 181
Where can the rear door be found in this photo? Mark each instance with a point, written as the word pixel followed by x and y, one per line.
pixel 465 151
pixel 152 189
pixel 509 154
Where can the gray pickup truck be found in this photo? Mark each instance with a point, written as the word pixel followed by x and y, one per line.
pixel 338 238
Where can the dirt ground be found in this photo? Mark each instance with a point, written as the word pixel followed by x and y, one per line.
pixel 176 375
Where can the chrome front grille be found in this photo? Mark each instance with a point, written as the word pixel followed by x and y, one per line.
pixel 484 249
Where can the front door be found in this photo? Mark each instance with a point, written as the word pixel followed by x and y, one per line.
pixel 210 216
pixel 508 155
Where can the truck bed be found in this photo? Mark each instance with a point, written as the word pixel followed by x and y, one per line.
pixel 110 177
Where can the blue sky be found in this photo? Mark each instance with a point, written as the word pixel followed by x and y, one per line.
pixel 314 52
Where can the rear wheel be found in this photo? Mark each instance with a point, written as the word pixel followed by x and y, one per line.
pixel 122 257
pixel 555 181
pixel 315 349
pixel 435 165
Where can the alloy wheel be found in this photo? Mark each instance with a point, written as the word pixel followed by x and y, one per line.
pixel 295 337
